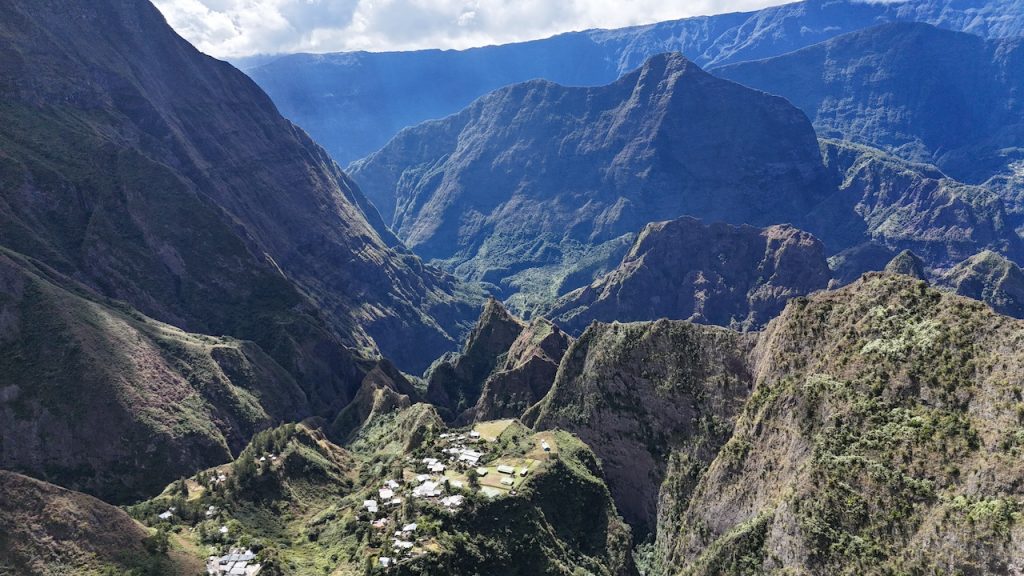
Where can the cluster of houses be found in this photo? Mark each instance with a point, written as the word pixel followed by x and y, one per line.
pixel 460 452
pixel 236 562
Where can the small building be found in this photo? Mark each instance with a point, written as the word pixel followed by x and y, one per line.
pixel 392 484
pixel 380 523
pixel 422 478
pixel 409 528
pixel 470 457
pixel 428 489
pixel 481 471
pixel 508 481
pixel 474 434
pixel 165 515
pixel 236 562
pixel 370 505
pixel 452 501
pixel 544 444
pixel 437 468
pixel 385 561
pixel 524 471
pixel 403 544
pixel 506 469
pixel 386 493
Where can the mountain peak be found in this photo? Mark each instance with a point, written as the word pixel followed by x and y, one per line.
pixel 908 264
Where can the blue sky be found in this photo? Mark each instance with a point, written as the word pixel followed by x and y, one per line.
pixel 234 28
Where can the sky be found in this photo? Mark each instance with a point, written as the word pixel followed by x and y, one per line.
pixel 236 28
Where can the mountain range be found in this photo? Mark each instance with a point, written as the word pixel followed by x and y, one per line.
pixel 353 103
pixel 538 189
pixel 537 173
pixel 925 94
pixel 218 354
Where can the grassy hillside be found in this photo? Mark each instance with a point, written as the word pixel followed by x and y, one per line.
pixel 48 530
pixel 96 396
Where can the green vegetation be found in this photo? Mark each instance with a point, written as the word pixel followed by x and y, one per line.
pixel 879 407
pixel 297 500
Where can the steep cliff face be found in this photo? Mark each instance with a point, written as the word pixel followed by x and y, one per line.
pixel 50 530
pixel 524 373
pixel 353 103
pixel 738 276
pixel 920 92
pixel 646 394
pixel 530 174
pixel 95 396
pixel 882 435
pixel 167 179
pixel 456 380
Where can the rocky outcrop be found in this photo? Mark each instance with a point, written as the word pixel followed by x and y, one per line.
pixel 647 398
pixel 526 373
pixel 354 102
pixel 883 414
pixel 526 176
pixel 384 390
pixel 908 264
pixel 991 278
pixel 455 382
pixel 738 276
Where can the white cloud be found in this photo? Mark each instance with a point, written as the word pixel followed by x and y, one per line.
pixel 232 28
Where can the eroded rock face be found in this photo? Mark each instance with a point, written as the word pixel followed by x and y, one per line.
pixel 738 276
pixel 533 172
pixel 884 205
pixel 525 375
pixel 456 381
pixel 644 394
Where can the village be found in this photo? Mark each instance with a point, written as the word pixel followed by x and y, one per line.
pixel 490 459
pixel 459 463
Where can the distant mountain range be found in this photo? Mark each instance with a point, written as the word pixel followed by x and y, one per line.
pixel 922 93
pixel 536 189
pixel 353 103
pixel 533 174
